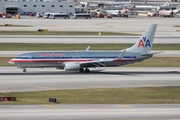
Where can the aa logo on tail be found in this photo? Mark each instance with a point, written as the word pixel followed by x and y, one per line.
pixel 144 43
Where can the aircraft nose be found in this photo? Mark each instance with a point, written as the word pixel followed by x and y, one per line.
pixel 11 61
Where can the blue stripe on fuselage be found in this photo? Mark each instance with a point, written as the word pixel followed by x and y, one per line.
pixel 75 55
pixel 94 57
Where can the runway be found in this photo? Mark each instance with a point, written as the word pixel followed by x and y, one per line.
pixel 163 53
pixel 91 112
pixel 82 39
pixel 14 80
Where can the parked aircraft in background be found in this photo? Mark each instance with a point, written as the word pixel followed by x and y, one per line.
pixel 166 13
pixel 169 13
pixel 83 60
pixel 116 12
pixel 145 6
pixel 113 12
pixel 120 3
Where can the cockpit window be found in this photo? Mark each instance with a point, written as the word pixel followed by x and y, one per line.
pixel 23 56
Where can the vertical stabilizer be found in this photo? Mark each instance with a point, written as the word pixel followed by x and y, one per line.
pixel 144 44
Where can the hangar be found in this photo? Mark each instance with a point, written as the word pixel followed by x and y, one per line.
pixel 24 7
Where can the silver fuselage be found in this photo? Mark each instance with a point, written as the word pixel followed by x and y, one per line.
pixel 57 59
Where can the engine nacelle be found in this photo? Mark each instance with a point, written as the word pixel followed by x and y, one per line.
pixel 71 66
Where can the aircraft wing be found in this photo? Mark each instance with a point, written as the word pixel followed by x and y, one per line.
pixel 100 63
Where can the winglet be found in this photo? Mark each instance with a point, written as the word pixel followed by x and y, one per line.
pixel 87 49
pixel 121 55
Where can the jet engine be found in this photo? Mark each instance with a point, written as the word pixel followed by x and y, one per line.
pixel 71 66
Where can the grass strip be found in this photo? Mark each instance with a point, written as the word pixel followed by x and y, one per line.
pixel 151 62
pixel 176 25
pixel 55 46
pixel 10 25
pixel 144 95
pixel 62 33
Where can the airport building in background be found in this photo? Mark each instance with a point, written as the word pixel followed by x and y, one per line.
pixel 24 7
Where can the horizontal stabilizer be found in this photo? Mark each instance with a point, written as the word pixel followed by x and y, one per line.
pixel 152 53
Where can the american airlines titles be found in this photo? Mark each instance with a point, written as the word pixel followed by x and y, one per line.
pixel 51 54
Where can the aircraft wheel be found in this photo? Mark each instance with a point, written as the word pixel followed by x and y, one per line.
pixel 87 70
pixel 81 70
pixel 24 70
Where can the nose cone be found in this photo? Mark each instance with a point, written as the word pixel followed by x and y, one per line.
pixel 11 61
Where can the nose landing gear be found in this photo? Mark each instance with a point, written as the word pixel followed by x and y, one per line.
pixel 24 70
pixel 81 70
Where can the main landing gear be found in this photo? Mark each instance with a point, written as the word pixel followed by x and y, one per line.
pixel 81 70
pixel 87 70
pixel 24 70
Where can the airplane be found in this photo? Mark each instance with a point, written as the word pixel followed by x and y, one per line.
pixel 83 60
pixel 113 12
pixel 157 7
pixel 121 3
pixel 166 13
pixel 169 13
pixel 116 12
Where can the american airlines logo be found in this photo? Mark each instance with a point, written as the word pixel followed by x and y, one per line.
pixel 144 43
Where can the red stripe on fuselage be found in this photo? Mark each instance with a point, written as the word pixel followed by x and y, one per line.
pixel 32 60
pixel 122 60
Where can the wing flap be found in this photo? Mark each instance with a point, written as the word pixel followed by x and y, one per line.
pixel 99 63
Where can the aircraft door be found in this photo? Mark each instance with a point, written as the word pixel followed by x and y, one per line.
pixel 131 55
pixel 30 60
pixel 77 57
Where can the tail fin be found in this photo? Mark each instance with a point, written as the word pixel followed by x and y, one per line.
pixel 144 44
pixel 166 4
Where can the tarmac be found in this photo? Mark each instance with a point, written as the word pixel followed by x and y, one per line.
pixel 37 79
pixel 91 112
pixel 125 25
